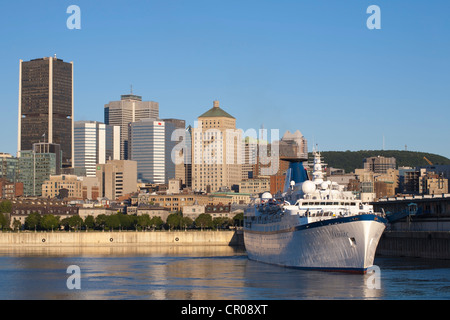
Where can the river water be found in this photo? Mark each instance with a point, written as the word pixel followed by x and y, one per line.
pixel 204 273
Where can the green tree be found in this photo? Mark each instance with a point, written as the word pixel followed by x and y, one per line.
pixel 65 223
pixel 49 222
pixel 4 223
pixel 126 221
pixel 132 222
pixel 76 222
pixel 100 221
pixel 144 221
pixel 16 224
pixel 157 222
pixel 112 221
pixel 89 222
pixel 221 222
pixel 174 220
pixel 238 220
pixel 204 220
pixel 5 206
pixel 32 222
pixel 186 222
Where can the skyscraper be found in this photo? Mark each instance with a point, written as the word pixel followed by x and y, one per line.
pixel 95 142
pixel 151 147
pixel 130 108
pixel 217 149
pixel 180 166
pixel 46 105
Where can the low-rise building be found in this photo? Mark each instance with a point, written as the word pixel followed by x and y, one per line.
pixel 95 212
pixel 10 190
pixel 219 211
pixel 234 197
pixel 193 211
pixel 52 188
pixel 21 209
pixel 176 202
pixel 215 210
pixel 255 186
pixel 117 178
pixel 153 211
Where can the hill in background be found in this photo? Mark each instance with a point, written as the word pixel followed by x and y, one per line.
pixel 351 160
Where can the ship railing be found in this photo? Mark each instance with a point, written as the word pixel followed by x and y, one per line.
pixel 321 213
pixel 337 214
pixel 379 214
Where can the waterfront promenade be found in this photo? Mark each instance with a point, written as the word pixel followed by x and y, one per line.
pixel 122 238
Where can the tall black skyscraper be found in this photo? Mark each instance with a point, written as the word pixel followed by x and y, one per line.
pixel 46 105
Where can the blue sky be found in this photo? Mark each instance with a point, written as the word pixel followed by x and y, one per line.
pixel 310 65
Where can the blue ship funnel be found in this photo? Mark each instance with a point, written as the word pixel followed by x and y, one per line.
pixel 296 173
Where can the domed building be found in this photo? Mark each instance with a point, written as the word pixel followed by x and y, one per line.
pixel 216 150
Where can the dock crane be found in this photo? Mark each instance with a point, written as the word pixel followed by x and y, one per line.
pixel 429 162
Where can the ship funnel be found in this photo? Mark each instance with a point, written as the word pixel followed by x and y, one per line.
pixel 296 173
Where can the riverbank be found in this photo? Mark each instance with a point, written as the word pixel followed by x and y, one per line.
pixel 122 238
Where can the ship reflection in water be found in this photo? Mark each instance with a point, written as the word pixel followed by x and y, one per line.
pixel 208 273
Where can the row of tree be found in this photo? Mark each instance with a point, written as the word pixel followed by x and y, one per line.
pixel 120 221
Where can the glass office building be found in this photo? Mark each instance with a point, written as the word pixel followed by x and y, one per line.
pixel 46 105
pixel 151 146
pixel 34 169
pixel 95 143
pixel 130 108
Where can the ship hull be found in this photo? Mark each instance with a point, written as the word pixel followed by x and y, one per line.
pixel 342 244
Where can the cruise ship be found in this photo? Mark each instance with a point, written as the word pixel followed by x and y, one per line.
pixel 313 225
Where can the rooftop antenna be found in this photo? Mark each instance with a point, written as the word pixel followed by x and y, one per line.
pixel 131 89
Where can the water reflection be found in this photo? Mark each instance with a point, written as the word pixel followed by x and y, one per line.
pixel 207 273
pixel 166 272
pixel 120 251
pixel 306 284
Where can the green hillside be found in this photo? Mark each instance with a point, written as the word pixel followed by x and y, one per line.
pixel 351 160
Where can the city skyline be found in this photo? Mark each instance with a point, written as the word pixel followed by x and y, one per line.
pixel 292 65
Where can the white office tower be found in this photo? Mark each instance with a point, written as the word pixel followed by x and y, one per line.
pixel 130 108
pixel 151 147
pixel 95 143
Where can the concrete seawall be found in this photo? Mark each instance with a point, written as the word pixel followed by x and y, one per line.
pixel 124 238
pixel 417 244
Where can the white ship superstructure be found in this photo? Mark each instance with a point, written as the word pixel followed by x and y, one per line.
pixel 315 225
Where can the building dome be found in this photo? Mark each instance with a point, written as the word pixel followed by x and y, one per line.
pixel 216 111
